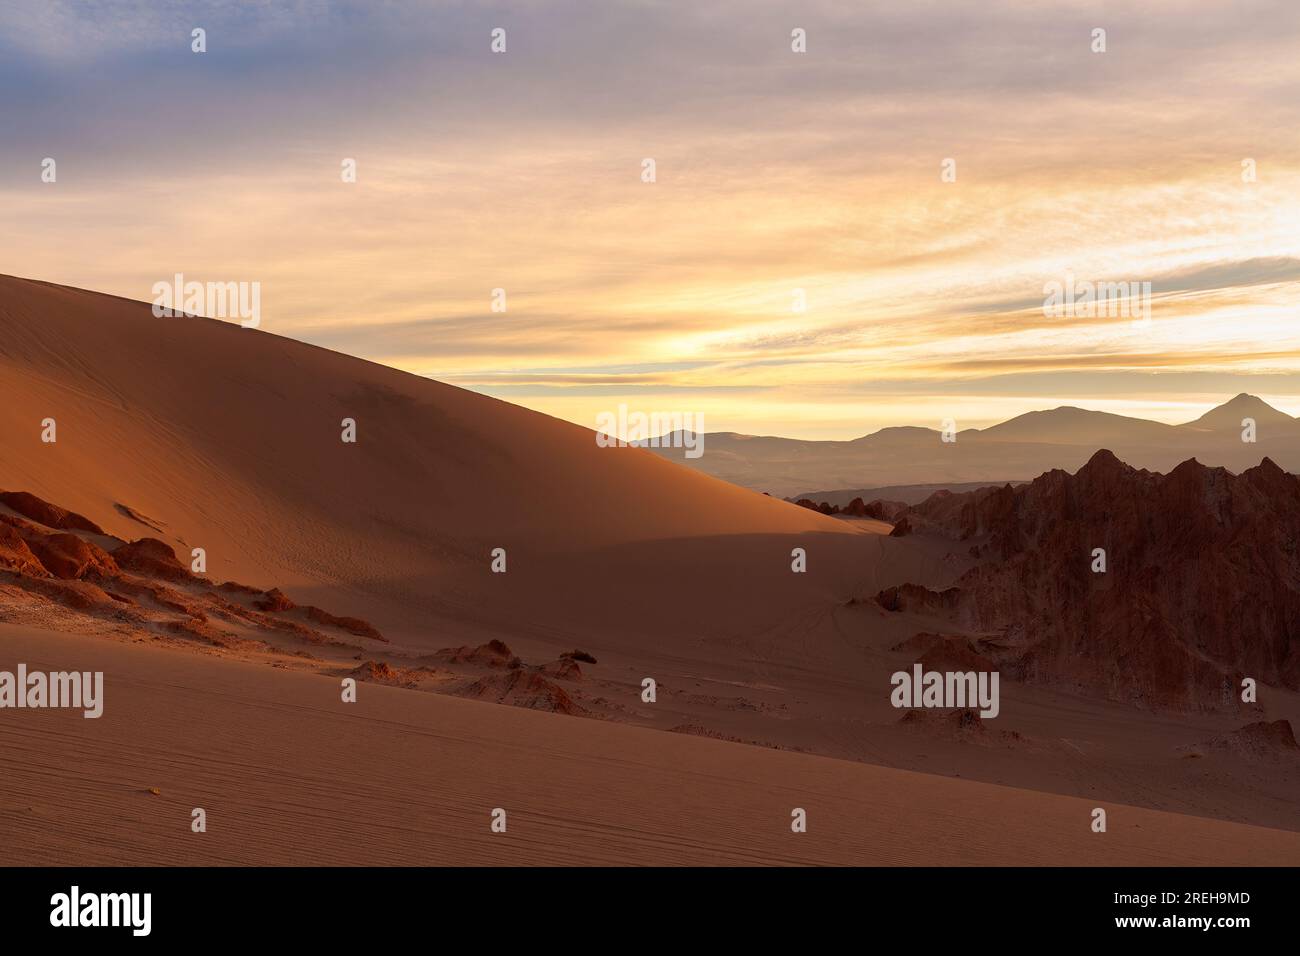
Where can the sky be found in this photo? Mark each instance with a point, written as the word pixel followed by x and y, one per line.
pixel 804 263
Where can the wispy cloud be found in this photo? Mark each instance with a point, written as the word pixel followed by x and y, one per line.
pixel 781 178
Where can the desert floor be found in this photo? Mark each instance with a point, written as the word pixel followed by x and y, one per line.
pixel 289 774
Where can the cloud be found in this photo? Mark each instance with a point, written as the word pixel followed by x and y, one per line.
pixel 777 172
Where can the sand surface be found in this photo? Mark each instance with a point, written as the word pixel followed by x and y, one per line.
pixel 288 774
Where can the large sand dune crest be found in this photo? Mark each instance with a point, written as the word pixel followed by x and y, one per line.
pixel 229 439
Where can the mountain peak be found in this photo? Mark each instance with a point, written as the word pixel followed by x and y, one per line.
pixel 1104 461
pixel 1244 405
pixel 1245 399
pixel 1069 424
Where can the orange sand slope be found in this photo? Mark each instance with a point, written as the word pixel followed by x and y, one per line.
pixel 287 773
pixel 209 435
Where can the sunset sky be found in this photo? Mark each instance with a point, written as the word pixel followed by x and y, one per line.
pixel 776 171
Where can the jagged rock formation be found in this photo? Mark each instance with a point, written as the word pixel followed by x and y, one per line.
pixel 1201 587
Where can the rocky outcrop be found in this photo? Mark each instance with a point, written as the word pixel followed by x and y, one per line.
pixel 566 668
pixel 42 512
pixel 919 600
pixel 883 510
pixel 492 654
pixel 523 688
pixel 1201 585
pixel 381 672
pixel 353 625
pixel 71 558
pixel 274 600
pixel 1260 741
pixel 152 557
pixel 15 555
pixel 141 585
pixel 878 508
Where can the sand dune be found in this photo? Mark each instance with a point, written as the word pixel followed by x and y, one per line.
pixel 287 774
pixel 209 435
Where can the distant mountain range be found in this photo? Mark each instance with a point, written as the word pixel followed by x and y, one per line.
pixel 1018 449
